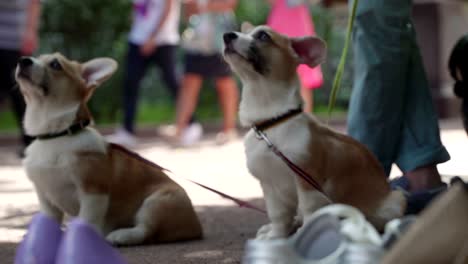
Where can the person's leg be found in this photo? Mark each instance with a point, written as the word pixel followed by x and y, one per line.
pixel 9 60
pixel 195 66
pixel 136 67
pixel 166 59
pixel 228 95
pixel 187 100
pixel 19 108
pixel 307 97
pixel 420 148
pixel 382 53
pixel 310 79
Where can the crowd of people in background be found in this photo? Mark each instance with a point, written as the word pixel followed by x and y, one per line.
pixel 19 22
pixel 154 39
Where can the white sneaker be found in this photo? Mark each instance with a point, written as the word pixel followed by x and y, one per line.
pixel 167 130
pixel 123 137
pixel 191 135
pixel 334 234
pixel 225 137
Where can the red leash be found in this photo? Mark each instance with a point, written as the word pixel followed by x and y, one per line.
pixel 296 169
pixel 239 202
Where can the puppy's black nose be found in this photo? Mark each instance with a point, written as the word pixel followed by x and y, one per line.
pixel 25 62
pixel 229 37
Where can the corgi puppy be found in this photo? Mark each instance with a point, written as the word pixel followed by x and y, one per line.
pixel 75 171
pixel 348 173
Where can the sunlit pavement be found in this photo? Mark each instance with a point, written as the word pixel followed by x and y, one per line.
pixel 220 167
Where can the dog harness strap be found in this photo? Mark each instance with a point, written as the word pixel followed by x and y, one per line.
pixel 73 129
pixel 296 169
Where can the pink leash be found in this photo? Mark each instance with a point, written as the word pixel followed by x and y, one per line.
pixel 296 169
pixel 239 202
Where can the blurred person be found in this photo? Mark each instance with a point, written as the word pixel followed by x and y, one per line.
pixel 202 42
pixel 153 38
pixel 292 18
pixel 19 22
pixel 391 109
pixel 458 68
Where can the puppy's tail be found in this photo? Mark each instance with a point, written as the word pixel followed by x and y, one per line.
pixel 393 206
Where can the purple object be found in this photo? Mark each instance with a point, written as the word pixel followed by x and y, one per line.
pixel 41 242
pixel 83 245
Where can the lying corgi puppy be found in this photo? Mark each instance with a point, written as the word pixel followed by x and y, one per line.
pixel 76 172
pixel 348 173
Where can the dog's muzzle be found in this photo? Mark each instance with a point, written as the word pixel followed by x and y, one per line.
pixel 24 65
pixel 229 39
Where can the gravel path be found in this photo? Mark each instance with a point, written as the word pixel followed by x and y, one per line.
pixel 226 226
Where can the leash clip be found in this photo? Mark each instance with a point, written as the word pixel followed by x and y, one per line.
pixel 260 135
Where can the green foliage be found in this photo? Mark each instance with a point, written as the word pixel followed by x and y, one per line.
pixel 334 35
pixel 253 11
pixel 8 121
pixel 339 72
pixel 86 29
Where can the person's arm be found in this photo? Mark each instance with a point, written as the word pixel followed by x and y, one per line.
pixel 220 5
pixel 150 45
pixel 329 3
pixel 29 41
pixel 193 7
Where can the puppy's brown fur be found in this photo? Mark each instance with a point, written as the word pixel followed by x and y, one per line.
pixel 266 63
pixel 126 198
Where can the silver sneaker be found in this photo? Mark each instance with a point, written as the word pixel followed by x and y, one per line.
pixel 334 234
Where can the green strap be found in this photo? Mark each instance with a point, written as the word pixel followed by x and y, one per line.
pixel 339 71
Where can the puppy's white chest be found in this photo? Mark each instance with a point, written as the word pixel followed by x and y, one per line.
pixel 262 162
pixel 52 166
pixel 51 172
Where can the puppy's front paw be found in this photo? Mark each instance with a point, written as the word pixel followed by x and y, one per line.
pixel 263 230
pixel 272 231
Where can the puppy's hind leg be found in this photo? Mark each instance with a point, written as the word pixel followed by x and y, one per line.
pixel 391 207
pixel 141 230
pixel 163 216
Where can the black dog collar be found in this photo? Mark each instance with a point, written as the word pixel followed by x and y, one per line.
pixel 71 130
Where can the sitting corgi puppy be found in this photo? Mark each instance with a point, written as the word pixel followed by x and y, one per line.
pixel 347 172
pixel 76 172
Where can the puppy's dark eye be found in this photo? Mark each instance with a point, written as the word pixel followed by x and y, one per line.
pixel 55 65
pixel 263 36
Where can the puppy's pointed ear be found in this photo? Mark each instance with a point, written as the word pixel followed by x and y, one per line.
pixel 246 27
pixel 309 50
pixel 96 71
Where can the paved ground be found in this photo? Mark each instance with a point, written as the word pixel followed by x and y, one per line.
pixel 223 167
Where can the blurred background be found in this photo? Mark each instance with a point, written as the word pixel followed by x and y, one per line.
pixel 88 28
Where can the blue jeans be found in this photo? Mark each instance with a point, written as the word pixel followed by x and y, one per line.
pixel 391 110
